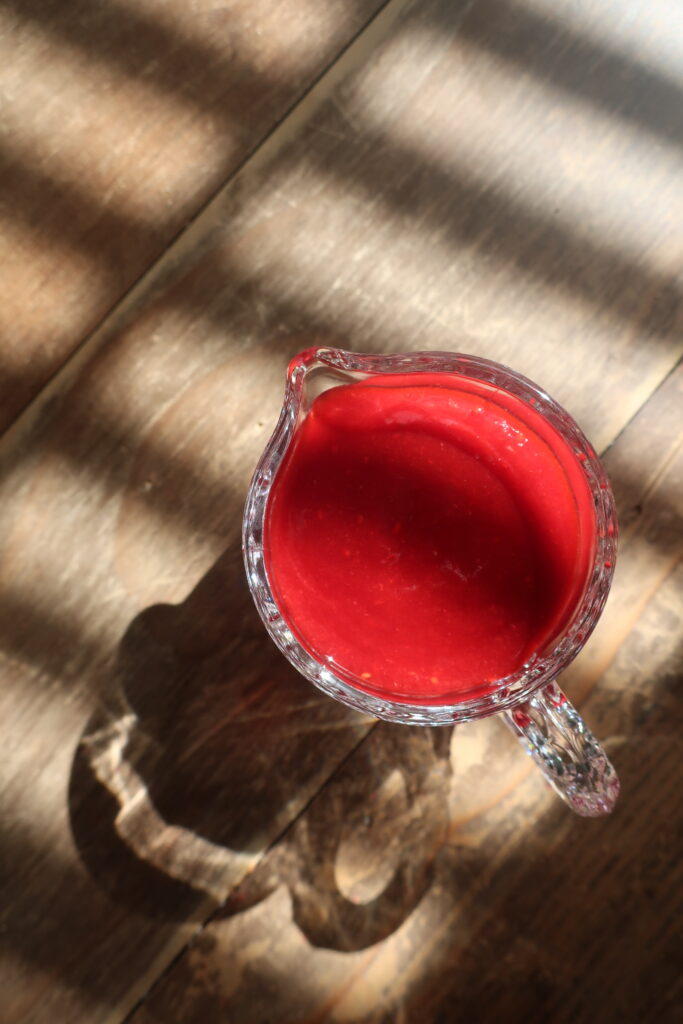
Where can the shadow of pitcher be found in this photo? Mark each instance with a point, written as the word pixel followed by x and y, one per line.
pixel 207 752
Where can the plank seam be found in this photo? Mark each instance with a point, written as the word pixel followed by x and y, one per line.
pixel 318 89
pixel 202 925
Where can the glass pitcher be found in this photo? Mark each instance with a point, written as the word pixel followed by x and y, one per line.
pixel 529 700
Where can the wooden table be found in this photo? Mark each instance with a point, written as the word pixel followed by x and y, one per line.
pixel 191 192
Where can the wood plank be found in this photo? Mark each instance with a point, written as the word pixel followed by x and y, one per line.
pixel 158 745
pixel 119 120
pixel 435 877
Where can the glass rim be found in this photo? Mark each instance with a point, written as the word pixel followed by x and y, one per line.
pixel 540 669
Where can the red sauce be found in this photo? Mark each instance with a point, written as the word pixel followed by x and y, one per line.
pixel 426 534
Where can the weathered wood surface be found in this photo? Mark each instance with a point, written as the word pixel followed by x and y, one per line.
pixel 118 120
pixel 435 878
pixel 498 178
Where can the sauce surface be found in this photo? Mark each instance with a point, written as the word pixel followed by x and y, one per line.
pixel 426 534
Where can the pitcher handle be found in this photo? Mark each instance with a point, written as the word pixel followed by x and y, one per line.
pixel 572 760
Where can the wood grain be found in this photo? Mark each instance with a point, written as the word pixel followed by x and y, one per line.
pixel 438 189
pixel 119 120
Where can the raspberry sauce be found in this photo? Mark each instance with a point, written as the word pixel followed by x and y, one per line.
pixel 426 534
